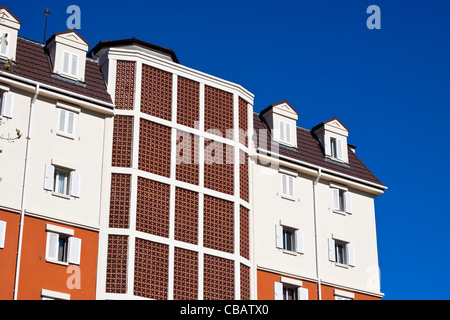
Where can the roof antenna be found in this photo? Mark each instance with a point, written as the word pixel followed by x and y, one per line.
pixel 46 12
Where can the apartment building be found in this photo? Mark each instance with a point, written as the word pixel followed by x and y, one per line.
pixel 315 231
pixel 50 178
pixel 176 219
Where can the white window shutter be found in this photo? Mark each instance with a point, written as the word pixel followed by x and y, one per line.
pixel 279 236
pixel 299 244
pixel 278 290
pixel 335 198
pixel 2 234
pixel 331 250
pixel 284 184
pixel 49 177
pixel 339 149
pixel 287 128
pixel 62 120
pixel 347 202
pixel 327 148
pixel 282 129
pixel 74 65
pixel 74 250
pixel 71 123
pixel 75 184
pixel 302 293
pixel 51 252
pixel 66 59
pixel 4 46
pixel 291 185
pixel 8 104
pixel 350 255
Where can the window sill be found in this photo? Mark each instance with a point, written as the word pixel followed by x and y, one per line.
pixel 343 213
pixel 341 265
pixel 65 135
pixel 61 263
pixel 64 196
pixel 292 253
pixel 284 196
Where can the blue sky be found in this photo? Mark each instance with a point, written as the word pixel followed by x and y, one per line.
pixel 390 87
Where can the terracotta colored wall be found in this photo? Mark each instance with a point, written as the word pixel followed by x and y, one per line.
pixel 265 286
pixel 37 274
pixel 328 294
pixel 8 254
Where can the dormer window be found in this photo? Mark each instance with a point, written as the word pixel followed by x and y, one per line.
pixel 4 44
pixel 285 132
pixel 9 28
pixel 70 64
pixel 332 135
pixel 335 148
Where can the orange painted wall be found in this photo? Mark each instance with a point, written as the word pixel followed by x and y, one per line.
pixel 8 254
pixel 36 273
pixel 328 294
pixel 265 285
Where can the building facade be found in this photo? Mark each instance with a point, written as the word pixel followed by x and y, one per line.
pixel 136 177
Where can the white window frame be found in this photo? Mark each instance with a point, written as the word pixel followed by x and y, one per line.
pixel 54 295
pixel 348 254
pixel 285 132
pixel 297 239
pixel 71 250
pixel 280 289
pixel 72 181
pixel 2 234
pixel 341 200
pixel 63 122
pixel 334 150
pixel 3 44
pixel 287 185
pixel 71 56
pixel 7 104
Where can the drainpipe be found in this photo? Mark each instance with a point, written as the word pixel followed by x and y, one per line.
pixel 24 192
pixel 319 289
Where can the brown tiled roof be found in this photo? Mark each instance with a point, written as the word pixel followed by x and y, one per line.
pixel 34 64
pixel 310 151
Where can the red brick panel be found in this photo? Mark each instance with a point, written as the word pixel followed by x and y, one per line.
pixel 122 141
pixel 187 162
pixel 186 215
pixel 152 208
pixel 218 110
pixel 243 121
pixel 156 92
pixel 219 167
pixel 185 274
pixel 245 282
pixel 124 95
pixel 119 208
pixel 151 269
pixel 154 148
pixel 218 224
pixel 116 266
pixel 243 176
pixel 218 278
pixel 188 100
pixel 244 230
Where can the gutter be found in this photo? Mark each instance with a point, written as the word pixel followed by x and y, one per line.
pixel 24 192
pixel 319 287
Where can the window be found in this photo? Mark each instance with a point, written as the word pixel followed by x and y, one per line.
pixel 287 185
pixel 290 290
pixel 54 295
pixel 341 252
pixel 70 64
pixel 289 239
pixel 333 147
pixel 342 200
pixel 285 132
pixel 7 104
pixel 4 43
pixel 66 122
pixel 62 181
pixel 62 247
pixel 2 234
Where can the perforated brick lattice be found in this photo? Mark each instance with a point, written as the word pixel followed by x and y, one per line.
pixel 186 215
pixel 124 93
pixel 243 122
pixel 243 176
pixel 218 278
pixel 116 265
pixel 185 274
pixel 218 224
pixel 152 207
pixel 154 148
pixel 244 232
pixel 122 141
pixel 151 269
pixel 156 92
pixel 119 208
pixel 187 166
pixel 218 110
pixel 188 100
pixel 245 282
pixel 219 167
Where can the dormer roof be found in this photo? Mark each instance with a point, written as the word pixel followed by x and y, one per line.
pixel 333 122
pixel 7 15
pixel 70 35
